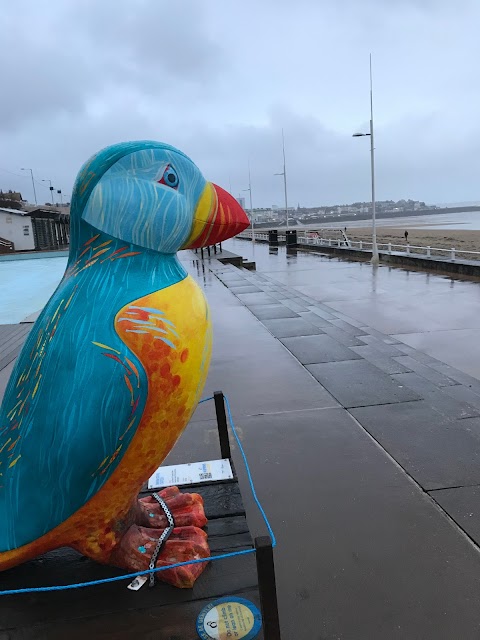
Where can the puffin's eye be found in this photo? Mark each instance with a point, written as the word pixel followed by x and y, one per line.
pixel 170 177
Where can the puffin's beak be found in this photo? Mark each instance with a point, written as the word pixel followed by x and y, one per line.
pixel 218 216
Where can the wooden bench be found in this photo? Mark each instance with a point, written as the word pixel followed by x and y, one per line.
pixel 111 611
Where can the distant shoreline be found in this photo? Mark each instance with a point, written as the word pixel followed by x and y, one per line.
pixel 367 216
pixel 461 240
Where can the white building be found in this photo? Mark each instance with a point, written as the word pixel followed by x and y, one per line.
pixel 16 227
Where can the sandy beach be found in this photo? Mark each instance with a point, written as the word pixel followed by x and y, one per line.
pixel 462 240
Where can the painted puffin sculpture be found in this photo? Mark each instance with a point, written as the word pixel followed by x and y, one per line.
pixel 113 369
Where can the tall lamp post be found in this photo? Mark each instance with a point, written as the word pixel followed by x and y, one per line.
pixel 284 174
pixel 375 258
pixel 33 183
pixel 251 206
pixel 51 188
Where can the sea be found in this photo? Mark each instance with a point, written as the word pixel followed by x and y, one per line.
pixel 463 220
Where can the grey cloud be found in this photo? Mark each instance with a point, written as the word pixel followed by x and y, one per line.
pixel 323 166
pixel 163 40
pixel 220 80
pixel 41 77
pixel 98 47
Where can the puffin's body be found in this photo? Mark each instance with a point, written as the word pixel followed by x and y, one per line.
pixel 114 366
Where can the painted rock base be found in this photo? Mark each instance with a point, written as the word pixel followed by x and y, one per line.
pixel 187 541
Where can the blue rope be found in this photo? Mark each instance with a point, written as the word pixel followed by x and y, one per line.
pixel 250 479
pixel 128 576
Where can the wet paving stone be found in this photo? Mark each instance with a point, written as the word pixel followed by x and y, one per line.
pixel 290 327
pixel 317 349
pixel 272 311
pixel 358 383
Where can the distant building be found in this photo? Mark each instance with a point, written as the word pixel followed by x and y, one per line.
pixel 10 199
pixel 38 229
pixel 241 201
pixel 16 227
pixel 51 228
pixel 264 215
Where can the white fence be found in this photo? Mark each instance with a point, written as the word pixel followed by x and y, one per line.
pixel 261 237
pixel 308 238
pixel 389 248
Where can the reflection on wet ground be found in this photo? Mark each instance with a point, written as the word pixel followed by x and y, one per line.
pixel 365 451
pixel 436 314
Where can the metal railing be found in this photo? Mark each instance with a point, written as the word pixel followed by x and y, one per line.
pixel 6 245
pixel 261 237
pixel 313 238
pixel 209 247
pixel 389 248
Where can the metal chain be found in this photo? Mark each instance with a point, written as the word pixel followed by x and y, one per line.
pixel 163 538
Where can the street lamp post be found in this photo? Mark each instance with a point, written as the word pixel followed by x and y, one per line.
pixel 375 258
pixel 284 174
pixel 51 188
pixel 251 206
pixel 33 183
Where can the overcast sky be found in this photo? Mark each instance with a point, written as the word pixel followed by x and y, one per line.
pixel 219 79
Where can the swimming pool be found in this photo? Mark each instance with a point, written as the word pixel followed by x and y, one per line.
pixel 26 286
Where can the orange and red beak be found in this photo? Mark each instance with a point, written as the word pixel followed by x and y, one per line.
pixel 218 216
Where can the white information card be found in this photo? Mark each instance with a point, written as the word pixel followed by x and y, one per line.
pixel 191 473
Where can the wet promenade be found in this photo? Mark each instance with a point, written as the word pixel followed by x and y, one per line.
pixel 363 438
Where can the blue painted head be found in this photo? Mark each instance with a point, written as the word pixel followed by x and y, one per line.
pixel 144 193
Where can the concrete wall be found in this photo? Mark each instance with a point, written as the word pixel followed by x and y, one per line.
pixel 458 267
pixel 18 229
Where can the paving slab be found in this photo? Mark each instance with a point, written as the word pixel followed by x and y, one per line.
pixel 321 312
pixel 389 313
pixel 277 297
pixel 289 327
pixel 459 348
pixel 248 288
pixel 271 311
pixel 343 337
pixel 462 378
pixel 463 505
pixel 415 353
pixel 464 394
pixel 295 304
pixel 234 281
pixel 352 321
pixel 443 403
pixel 381 345
pixel 347 327
pixel 377 559
pixel 305 299
pixel 384 362
pixel 425 371
pixel 384 337
pixel 316 349
pixel 437 452
pixel 357 383
pixel 312 318
pixel 256 298
pixel 251 367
